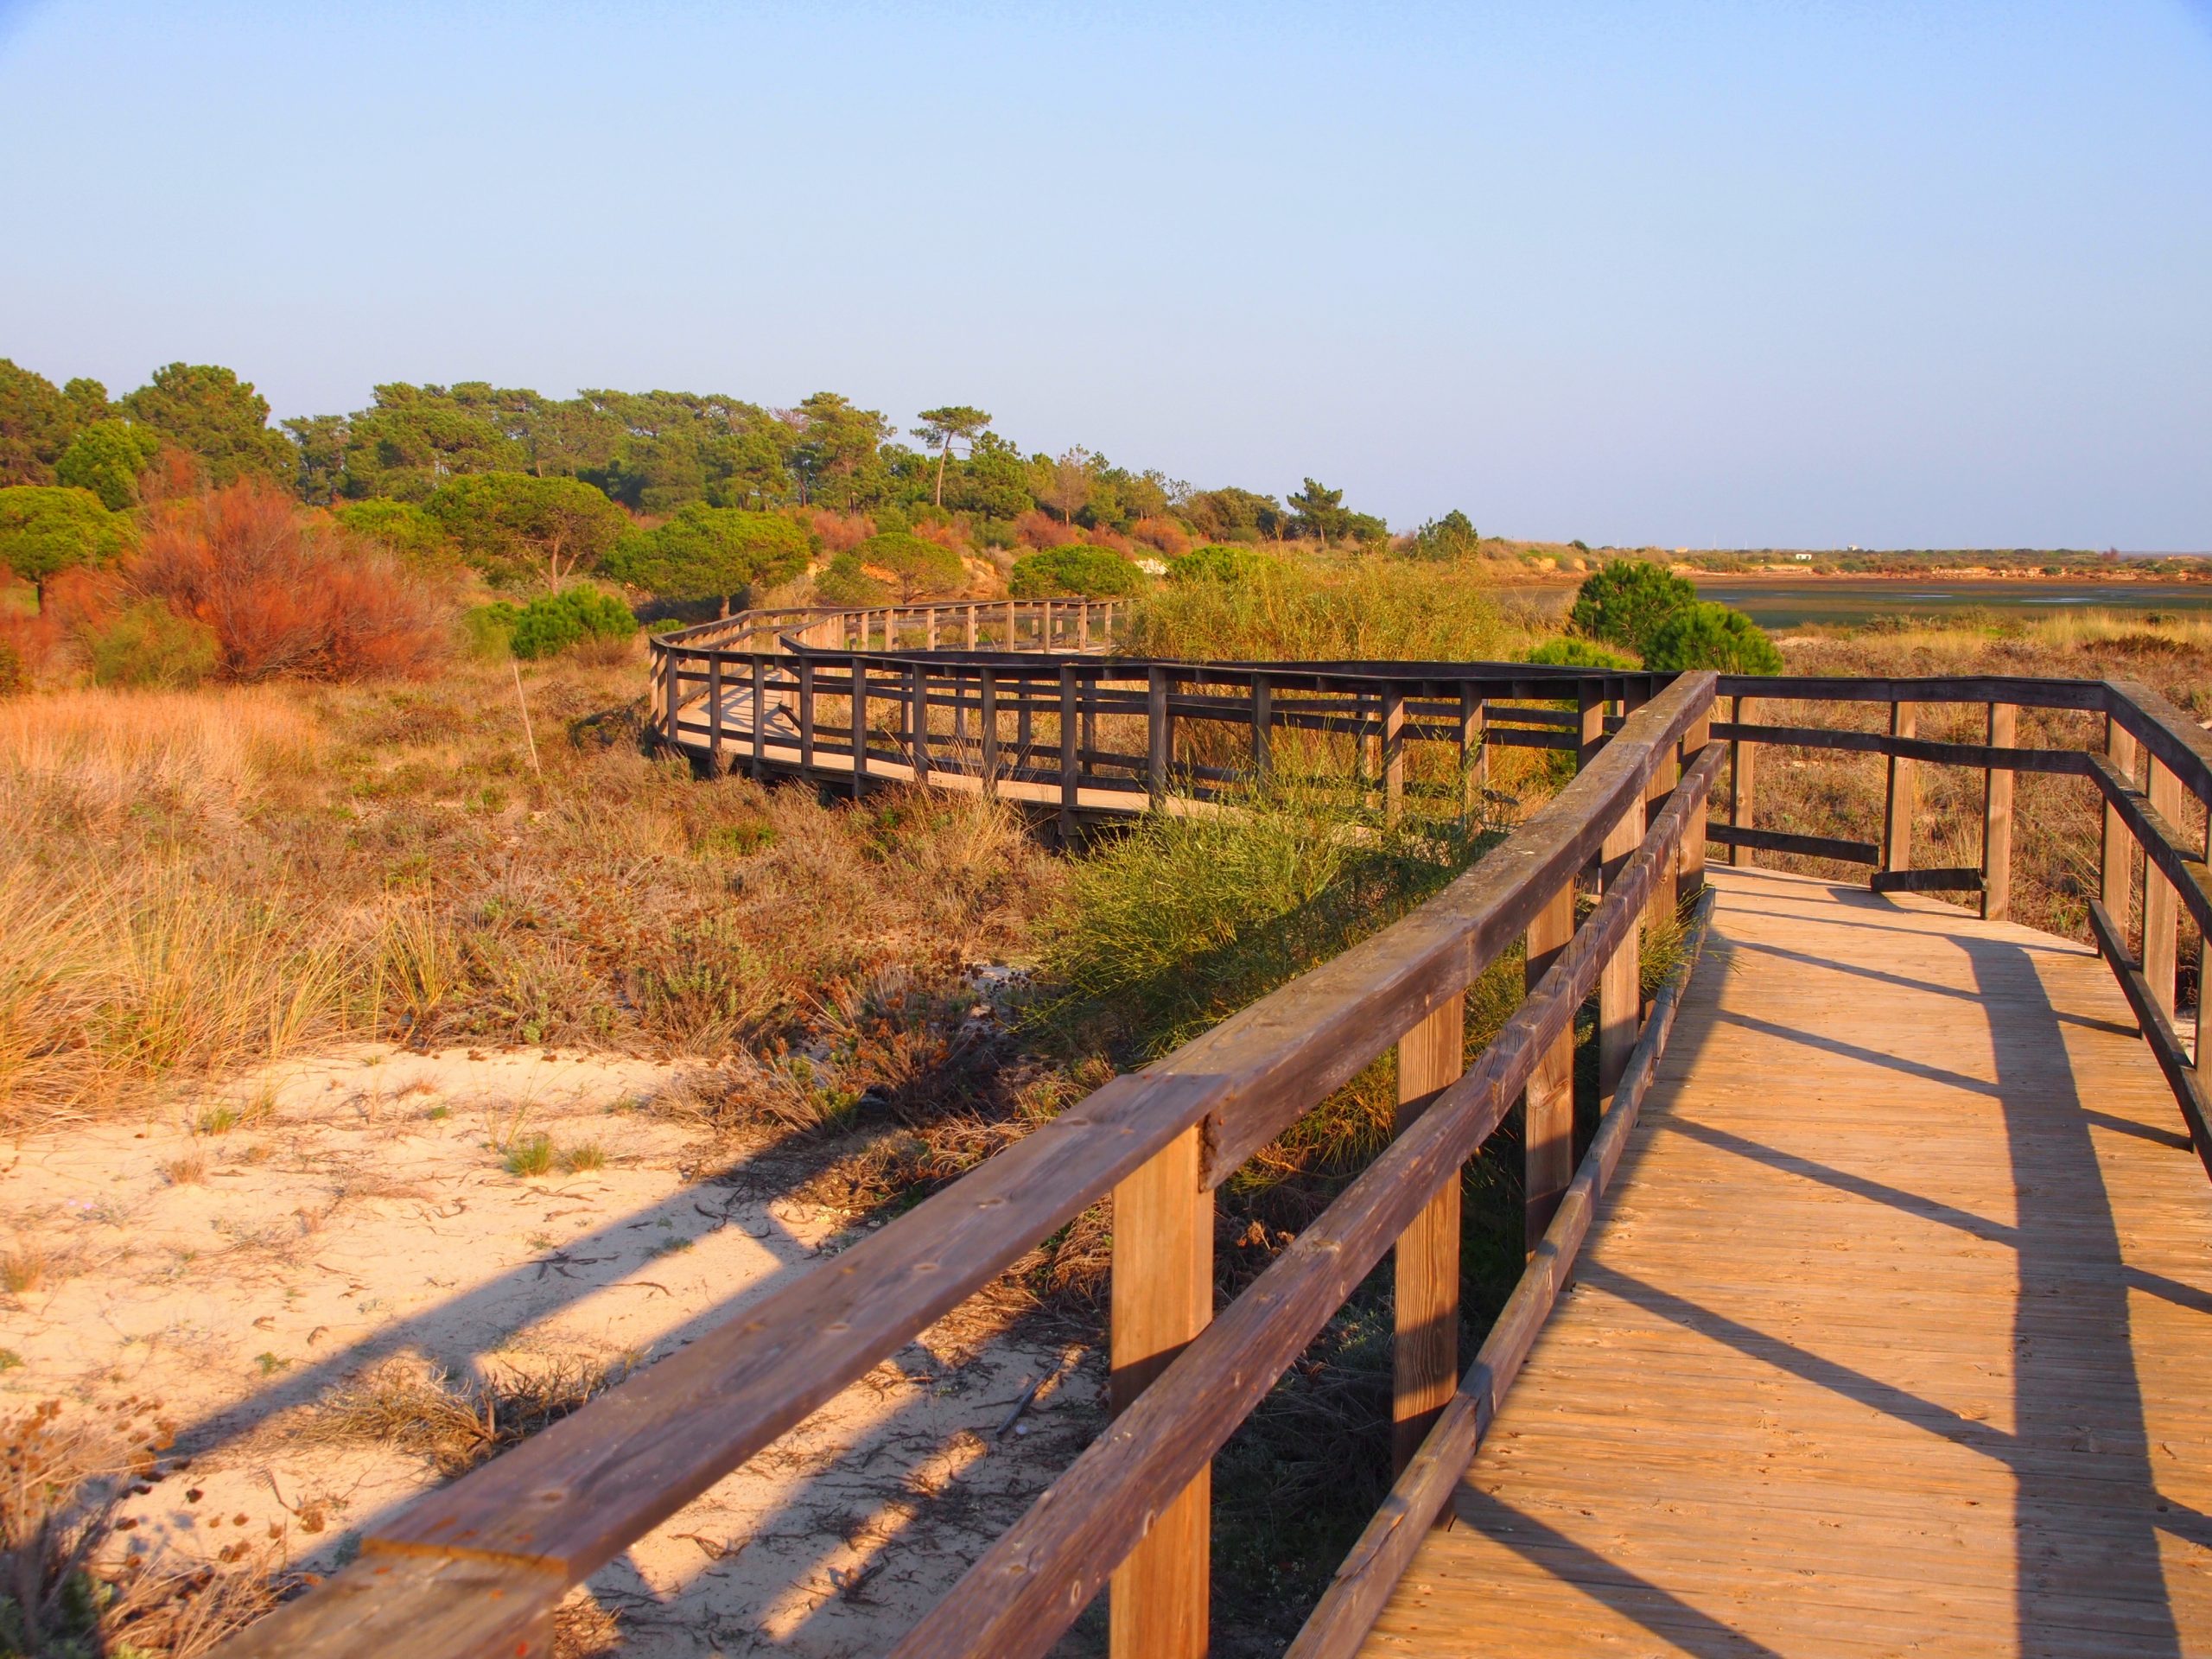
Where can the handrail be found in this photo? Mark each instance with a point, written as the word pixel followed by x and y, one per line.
pixel 475 1566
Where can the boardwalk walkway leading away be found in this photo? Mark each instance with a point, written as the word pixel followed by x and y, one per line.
pixel 1894 1337
pixel 1875 1318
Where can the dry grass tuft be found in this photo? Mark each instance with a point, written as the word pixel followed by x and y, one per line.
pixel 65 1472
pixel 456 1425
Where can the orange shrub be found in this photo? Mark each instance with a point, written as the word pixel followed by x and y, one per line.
pixel 839 532
pixel 284 590
pixel 1035 528
pixel 944 532
pixel 1165 534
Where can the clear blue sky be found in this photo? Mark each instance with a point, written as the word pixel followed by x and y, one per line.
pixel 1755 274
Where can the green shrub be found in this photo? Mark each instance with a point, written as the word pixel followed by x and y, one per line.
pixel 406 529
pixel 1705 635
pixel 918 568
pixel 150 645
pixel 553 623
pixel 1578 653
pixel 487 632
pixel 1075 572
pixel 1218 561
pixel 1625 603
pixel 107 458
pixel 843 581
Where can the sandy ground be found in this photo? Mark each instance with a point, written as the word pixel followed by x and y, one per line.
pixel 356 1222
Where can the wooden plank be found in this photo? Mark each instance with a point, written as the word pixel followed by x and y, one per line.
pixel 457 1609
pixel 1901 796
pixel 2028 693
pixel 1620 990
pixel 2120 850
pixel 1743 792
pixel 1394 755
pixel 1547 1106
pixel 1980 756
pixel 2170 735
pixel 1944 880
pixel 1777 841
pixel 1996 820
pixel 1159 734
pixel 857 703
pixel 2161 915
pixel 1262 729
pixel 1426 1258
pixel 1162 1298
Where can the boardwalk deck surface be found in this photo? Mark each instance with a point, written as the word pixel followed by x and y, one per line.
pixel 1895 1336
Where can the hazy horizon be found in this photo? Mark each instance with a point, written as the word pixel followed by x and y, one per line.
pixel 1699 275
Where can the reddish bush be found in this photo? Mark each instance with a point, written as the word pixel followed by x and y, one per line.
pixel 944 532
pixel 840 532
pixel 1165 534
pixel 1035 528
pixel 286 591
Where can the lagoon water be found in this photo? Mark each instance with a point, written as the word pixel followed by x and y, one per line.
pixel 1792 602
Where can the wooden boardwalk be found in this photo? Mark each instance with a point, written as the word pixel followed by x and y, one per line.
pixel 1895 1336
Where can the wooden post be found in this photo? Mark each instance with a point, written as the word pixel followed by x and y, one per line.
pixel 1009 624
pixel 760 716
pixel 1620 981
pixel 1997 819
pixel 1264 717
pixel 1159 735
pixel 2161 903
pixel 1024 729
pixel 989 716
pixel 1370 743
pixel 1592 735
pixel 860 724
pixel 1090 718
pixel 806 715
pixel 1689 857
pixel 972 626
pixel 1743 784
pixel 715 714
pixel 1426 1358
pixel 1474 753
pixel 1394 755
pixel 1901 800
pixel 1070 761
pixel 918 719
pixel 1082 625
pixel 1547 1106
pixel 1662 907
pixel 2204 974
pixel 673 688
pixel 929 629
pixel 1162 1296
pixel 2118 883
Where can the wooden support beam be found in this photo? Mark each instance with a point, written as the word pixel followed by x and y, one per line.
pixel 806 714
pixel 1547 1104
pixel 1162 1296
pixel 1620 991
pixel 917 718
pixel 1394 755
pixel 715 714
pixel 1593 725
pixel 760 716
pixel 1070 757
pixel 988 715
pixel 1690 859
pixel 1474 753
pixel 1660 909
pixel 1997 819
pixel 969 615
pixel 1901 799
pixel 1743 786
pixel 2161 906
pixel 1262 729
pixel 859 703
pixel 1426 1264
pixel 1159 735
pixel 1950 880
pixel 1082 626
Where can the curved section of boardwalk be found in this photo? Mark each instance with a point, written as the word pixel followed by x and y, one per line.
pixel 1895 1336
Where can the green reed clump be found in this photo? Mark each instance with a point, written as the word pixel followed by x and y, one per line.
pixel 1368 609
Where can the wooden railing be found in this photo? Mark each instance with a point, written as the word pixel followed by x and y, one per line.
pixel 921 693
pixel 475 1568
pixel 2148 755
